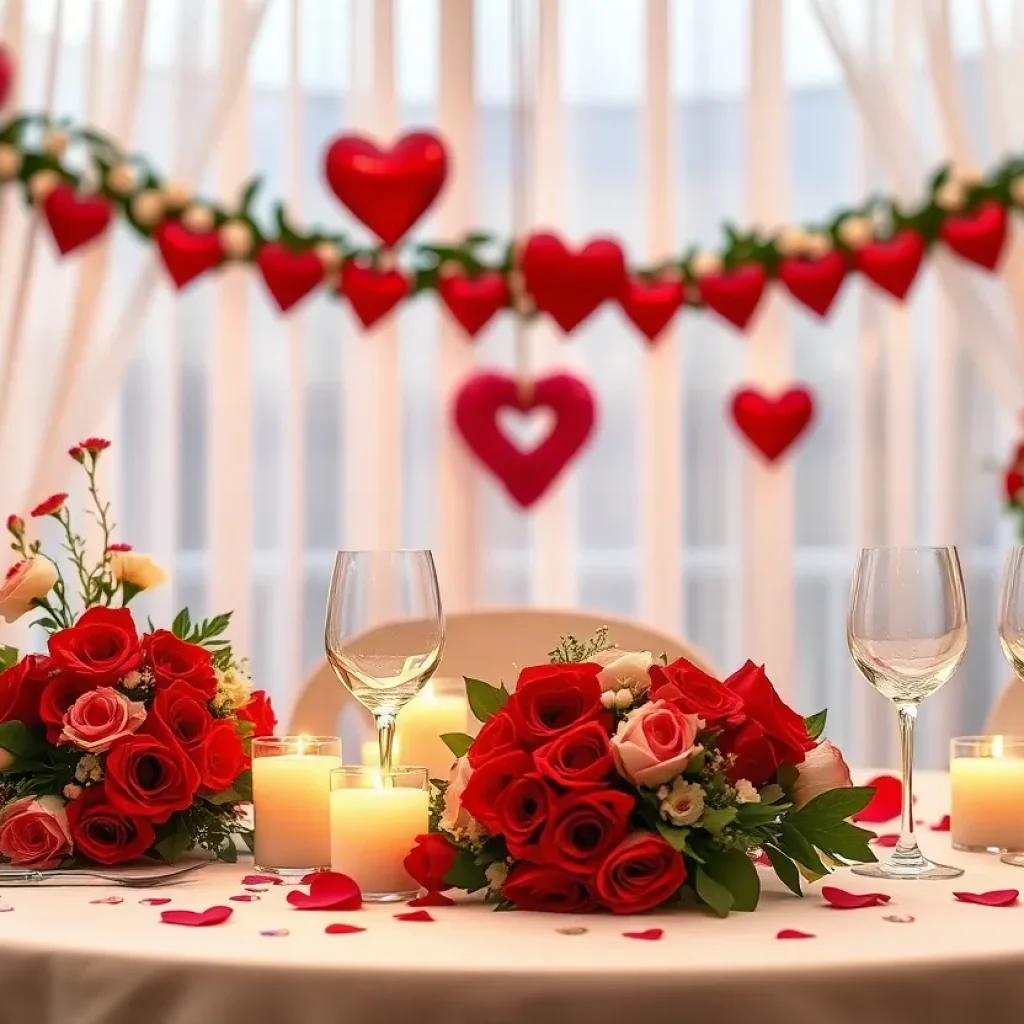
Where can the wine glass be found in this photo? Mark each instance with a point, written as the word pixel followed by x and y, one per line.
pixel 385 632
pixel 1011 635
pixel 907 632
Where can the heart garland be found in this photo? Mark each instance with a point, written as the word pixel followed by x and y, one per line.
pixel 187 254
pixel 771 425
pixel 978 236
pixel 75 220
pixel 289 275
pixel 894 263
pixel 815 283
pixel 734 294
pixel 651 305
pixel 525 475
pixel 373 293
pixel 473 301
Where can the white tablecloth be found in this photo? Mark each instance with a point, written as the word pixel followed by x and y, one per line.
pixel 64 958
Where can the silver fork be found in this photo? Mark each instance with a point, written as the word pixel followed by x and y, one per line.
pixel 15 877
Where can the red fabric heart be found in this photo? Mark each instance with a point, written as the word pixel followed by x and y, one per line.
pixel 993 898
pixel 978 236
pixel 942 825
pixel 892 264
pixel 771 425
pixel 570 285
pixel 6 73
pixel 432 899
pixel 525 475
pixel 420 916
pixel 650 935
pixel 74 219
pixel 473 300
pixel 651 305
pixel 328 890
pixel 890 839
pixel 343 929
pixel 193 919
pixel 734 294
pixel 186 254
pixel 262 880
pixel 886 803
pixel 843 900
pixel 816 282
pixel 373 293
pixel 387 189
pixel 289 275
pixel 794 933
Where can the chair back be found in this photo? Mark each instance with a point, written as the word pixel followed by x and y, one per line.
pixel 1007 715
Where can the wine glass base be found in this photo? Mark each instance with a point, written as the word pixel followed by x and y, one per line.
pixel 908 867
pixel 1014 859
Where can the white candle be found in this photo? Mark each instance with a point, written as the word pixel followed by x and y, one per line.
pixel 372 832
pixel 988 801
pixel 422 722
pixel 291 810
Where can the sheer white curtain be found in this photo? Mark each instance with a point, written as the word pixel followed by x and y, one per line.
pixel 251 446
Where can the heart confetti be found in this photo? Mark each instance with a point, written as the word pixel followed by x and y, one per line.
pixel 275 933
pixel 650 935
pixel 419 916
pixel 942 825
pixel 263 880
pixel 432 899
pixel 328 890
pixel 843 900
pixel 885 804
pixel 245 898
pixel 109 900
pixel 194 919
pixel 889 839
pixel 794 933
pixel 343 929
pixel 155 901
pixel 993 898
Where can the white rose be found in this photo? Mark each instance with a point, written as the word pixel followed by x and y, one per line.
pixel 746 793
pixel 27 581
pixel 137 569
pixel 682 803
pixel 454 817
pixel 823 769
pixel 622 670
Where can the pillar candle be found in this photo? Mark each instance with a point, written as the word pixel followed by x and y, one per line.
pixel 988 801
pixel 422 722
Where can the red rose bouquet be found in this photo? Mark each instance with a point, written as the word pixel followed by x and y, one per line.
pixel 114 744
pixel 612 781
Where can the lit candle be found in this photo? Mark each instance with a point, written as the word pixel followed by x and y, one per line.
pixel 291 787
pixel 422 722
pixel 987 810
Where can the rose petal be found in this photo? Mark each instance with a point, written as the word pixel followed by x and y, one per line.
pixel 794 933
pixel 328 890
pixel 889 839
pixel 343 929
pixel 255 888
pixel 275 932
pixel 942 825
pixel 415 915
pixel 155 901
pixel 307 879
pixel 109 900
pixel 762 860
pixel 194 919
pixel 885 804
pixel 843 900
pixel 245 898
pixel 432 899
pixel 262 880
pixel 650 935
pixel 993 898
pixel 5 909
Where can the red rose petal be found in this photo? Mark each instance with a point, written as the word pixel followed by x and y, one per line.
pixel 192 919
pixel 889 839
pixel 794 933
pixel 843 900
pixel 650 935
pixel 761 860
pixel 942 825
pixel 343 929
pixel 885 804
pixel 328 890
pixel 414 915
pixel 307 879
pixel 245 898
pixel 432 899
pixel 262 880
pixel 993 898
pixel 156 901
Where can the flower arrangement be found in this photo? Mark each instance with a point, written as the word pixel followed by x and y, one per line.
pixel 115 745
pixel 1013 487
pixel 610 780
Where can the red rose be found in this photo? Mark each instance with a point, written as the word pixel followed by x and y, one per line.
pixel 21 689
pixel 1013 482
pixel 260 712
pixel 694 692
pixel 545 888
pixel 104 832
pixel 430 860
pixel 753 755
pixel 101 647
pixel 173 659
pixel 489 782
pixel 579 757
pixel 583 827
pixel 151 778
pixel 549 699
pixel 497 737
pixel 641 873
pixel 522 810
pixel 58 695
pixel 220 758
pixel 180 714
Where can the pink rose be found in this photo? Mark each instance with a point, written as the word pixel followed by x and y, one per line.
pixel 454 815
pixel 822 769
pixel 34 832
pixel 25 582
pixel 654 743
pixel 99 718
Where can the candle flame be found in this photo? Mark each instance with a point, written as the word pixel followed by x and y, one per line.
pixel 300 747
pixel 997 746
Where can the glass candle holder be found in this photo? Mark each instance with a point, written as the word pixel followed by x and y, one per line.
pixel 987 781
pixel 291 790
pixel 375 819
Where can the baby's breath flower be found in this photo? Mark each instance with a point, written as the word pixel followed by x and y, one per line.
pixel 234 690
pixel 746 793
pixel 132 680
pixel 89 769
pixel 72 791
pixel 496 874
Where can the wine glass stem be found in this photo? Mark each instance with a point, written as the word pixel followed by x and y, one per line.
pixel 907 718
pixel 386 740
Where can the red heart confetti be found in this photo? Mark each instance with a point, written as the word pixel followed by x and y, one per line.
pixel 885 804
pixel 794 933
pixel 193 919
pixel 108 900
pixel 843 900
pixel 942 825
pixel 993 898
pixel 432 899
pixel 889 839
pixel 415 915
pixel 155 901
pixel 650 935
pixel 263 880
pixel 328 890
pixel 245 898
pixel 343 929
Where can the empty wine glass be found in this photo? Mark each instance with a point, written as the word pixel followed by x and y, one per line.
pixel 1011 612
pixel 385 631
pixel 907 631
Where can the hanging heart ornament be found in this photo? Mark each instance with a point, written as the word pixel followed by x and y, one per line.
pixel 771 425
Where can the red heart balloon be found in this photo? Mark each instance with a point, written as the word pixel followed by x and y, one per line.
pixel 568 285
pixel 816 282
pixel 978 236
pixel 525 475
pixel 289 275
pixel 771 425
pixel 651 305
pixel 473 300
pixel 387 189
pixel 6 73
pixel 74 219
pixel 734 294
pixel 186 254
pixel 892 264
pixel 373 293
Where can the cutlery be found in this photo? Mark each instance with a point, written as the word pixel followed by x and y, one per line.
pixel 15 877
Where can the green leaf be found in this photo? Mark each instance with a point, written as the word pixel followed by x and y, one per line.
pixel 834 805
pixel 715 820
pixel 750 816
pixel 17 739
pixel 457 742
pixel 8 656
pixel 182 624
pixel 713 893
pixel 128 591
pixel 249 838
pixel 785 869
pixel 841 839
pixel 227 851
pixel 239 793
pixel 485 700
pixel 794 844
pixel 674 835
pixel 786 775
pixel 772 794
pixel 465 873
pixel 735 871
pixel 175 842
pixel 816 723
